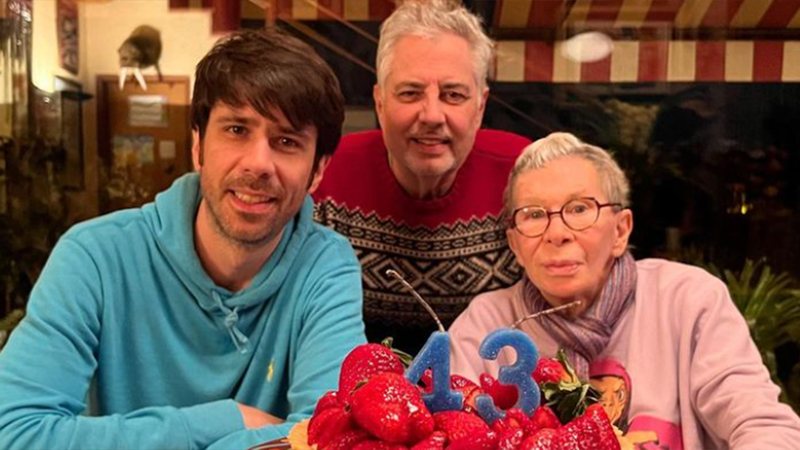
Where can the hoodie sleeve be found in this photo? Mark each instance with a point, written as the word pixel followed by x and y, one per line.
pixel 731 390
pixel 50 359
pixel 330 326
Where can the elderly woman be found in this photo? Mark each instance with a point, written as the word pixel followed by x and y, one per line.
pixel 663 340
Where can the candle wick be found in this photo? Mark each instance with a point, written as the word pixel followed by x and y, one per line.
pixel 546 312
pixel 416 295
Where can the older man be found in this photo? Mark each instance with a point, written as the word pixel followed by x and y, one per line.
pixel 422 195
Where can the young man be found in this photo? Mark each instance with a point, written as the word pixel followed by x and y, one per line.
pixel 423 194
pixel 216 316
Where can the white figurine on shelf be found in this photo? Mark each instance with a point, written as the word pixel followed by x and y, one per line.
pixel 140 50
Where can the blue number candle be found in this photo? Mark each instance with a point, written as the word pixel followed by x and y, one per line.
pixel 436 356
pixel 519 374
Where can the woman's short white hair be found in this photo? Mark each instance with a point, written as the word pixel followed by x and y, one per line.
pixel 430 18
pixel 559 145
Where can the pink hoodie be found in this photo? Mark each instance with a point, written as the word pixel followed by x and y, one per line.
pixel 680 370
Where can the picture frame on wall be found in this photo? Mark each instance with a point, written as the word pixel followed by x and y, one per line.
pixel 67 29
pixel 72 96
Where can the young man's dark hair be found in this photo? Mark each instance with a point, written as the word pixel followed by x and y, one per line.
pixel 260 68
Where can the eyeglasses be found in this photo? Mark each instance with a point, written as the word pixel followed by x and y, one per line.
pixel 579 214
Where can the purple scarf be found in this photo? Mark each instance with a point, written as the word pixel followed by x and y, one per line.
pixel 585 336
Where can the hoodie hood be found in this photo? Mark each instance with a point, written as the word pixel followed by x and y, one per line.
pixel 171 217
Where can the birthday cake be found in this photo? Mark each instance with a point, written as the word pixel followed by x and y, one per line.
pixel 535 404
pixel 382 405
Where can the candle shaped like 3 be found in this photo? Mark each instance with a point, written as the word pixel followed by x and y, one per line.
pixel 436 356
pixel 518 374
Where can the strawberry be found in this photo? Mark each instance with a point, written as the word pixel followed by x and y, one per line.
pixel 541 440
pixel 459 424
pixel 549 370
pixel 480 440
pixel 329 400
pixel 543 417
pixel 591 430
pixel 515 418
pixel 391 409
pixel 510 439
pixel 468 389
pixel 426 380
pixel 457 382
pixel 327 425
pixel 435 441
pixel 470 396
pixel 371 444
pixel 346 441
pixel 504 395
pixel 364 362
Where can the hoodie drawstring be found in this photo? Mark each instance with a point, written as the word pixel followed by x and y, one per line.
pixel 231 318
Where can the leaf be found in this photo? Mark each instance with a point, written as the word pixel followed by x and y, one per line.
pixel 568 399
pixel 404 357
pixel 561 356
pixel 770 304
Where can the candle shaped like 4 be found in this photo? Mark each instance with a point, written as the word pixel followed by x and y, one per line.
pixel 436 356
pixel 518 374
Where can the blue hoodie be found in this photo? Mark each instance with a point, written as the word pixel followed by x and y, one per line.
pixel 128 343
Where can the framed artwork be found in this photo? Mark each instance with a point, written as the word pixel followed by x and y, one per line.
pixel 67 28
pixel 72 175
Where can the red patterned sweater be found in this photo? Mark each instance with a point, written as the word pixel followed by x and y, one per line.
pixel 450 248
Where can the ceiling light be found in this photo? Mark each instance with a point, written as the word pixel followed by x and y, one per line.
pixel 589 46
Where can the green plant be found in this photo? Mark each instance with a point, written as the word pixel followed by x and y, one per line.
pixel 770 303
pixel 35 216
pixel 8 323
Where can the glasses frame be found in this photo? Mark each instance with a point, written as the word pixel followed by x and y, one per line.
pixel 560 212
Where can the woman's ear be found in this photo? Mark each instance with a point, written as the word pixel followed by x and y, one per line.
pixel 622 232
pixel 511 237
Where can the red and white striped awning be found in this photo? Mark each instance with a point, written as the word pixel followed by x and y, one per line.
pixel 641 59
pixel 653 61
pixel 373 10
pixel 648 13
pixel 763 14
